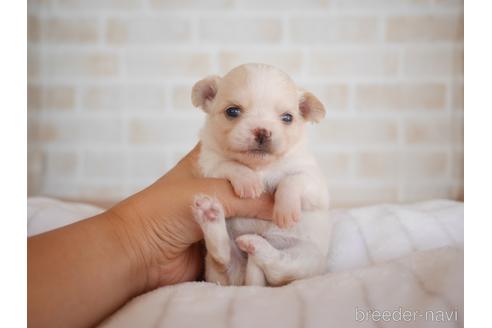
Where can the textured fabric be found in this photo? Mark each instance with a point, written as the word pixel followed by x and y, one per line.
pixel 404 259
pixel 387 257
pixel 45 214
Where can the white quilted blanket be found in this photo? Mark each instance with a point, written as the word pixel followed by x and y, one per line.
pixel 389 266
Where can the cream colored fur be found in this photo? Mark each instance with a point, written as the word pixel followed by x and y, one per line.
pixel 259 152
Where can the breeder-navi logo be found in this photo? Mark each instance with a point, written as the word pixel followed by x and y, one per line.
pixel 405 315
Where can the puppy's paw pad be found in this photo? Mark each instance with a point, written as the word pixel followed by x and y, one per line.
pixel 207 209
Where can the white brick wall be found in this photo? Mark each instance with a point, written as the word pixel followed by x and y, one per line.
pixel 109 109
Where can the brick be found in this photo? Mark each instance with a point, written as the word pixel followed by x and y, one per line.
pixel 33 65
pixel 112 101
pixel 98 5
pixel 168 64
pixel 458 130
pixel 457 97
pixel 424 28
pixel 280 5
pixel 350 196
pixel 35 170
pixel 191 4
pixel 34 98
pixel 38 132
pixel 33 29
pixel 312 30
pixel 444 131
pixel 88 131
pixel 36 5
pixel 288 61
pixel 400 96
pixel 50 97
pixel 433 62
pixel 377 165
pixel 334 165
pixel 69 30
pixel 459 192
pixel 422 165
pixel 61 163
pixel 429 131
pixel 357 131
pixel 182 97
pixel 402 165
pixel 162 131
pixel 381 4
pixel 78 64
pixel 240 30
pixel 457 165
pixel 427 191
pixel 333 96
pixel 353 63
pixel 451 3
pixel 148 30
pixel 124 97
pixel 148 164
pixel 106 163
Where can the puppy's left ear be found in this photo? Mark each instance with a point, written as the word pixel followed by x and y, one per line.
pixel 204 91
pixel 310 107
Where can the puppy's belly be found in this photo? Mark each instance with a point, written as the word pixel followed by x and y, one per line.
pixel 314 226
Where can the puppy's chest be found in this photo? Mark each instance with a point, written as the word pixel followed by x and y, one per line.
pixel 272 177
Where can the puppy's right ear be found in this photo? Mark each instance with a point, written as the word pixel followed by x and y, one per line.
pixel 204 91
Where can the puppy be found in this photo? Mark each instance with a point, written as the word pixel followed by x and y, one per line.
pixel 254 137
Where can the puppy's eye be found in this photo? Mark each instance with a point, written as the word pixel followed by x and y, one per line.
pixel 287 118
pixel 233 112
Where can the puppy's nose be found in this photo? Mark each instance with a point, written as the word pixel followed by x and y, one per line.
pixel 262 136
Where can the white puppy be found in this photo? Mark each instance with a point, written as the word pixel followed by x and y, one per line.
pixel 254 137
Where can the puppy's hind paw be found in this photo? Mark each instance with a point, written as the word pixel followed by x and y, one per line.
pixel 207 209
pixel 246 244
pixel 253 244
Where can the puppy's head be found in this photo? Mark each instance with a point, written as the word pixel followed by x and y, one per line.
pixel 255 112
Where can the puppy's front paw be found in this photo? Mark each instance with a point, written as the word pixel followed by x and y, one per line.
pixel 248 185
pixel 286 215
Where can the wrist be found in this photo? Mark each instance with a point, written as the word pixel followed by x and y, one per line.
pixel 128 230
pixel 155 237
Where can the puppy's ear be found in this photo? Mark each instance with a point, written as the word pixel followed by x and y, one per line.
pixel 204 92
pixel 310 107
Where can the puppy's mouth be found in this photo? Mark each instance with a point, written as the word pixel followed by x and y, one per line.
pixel 256 152
pixel 260 152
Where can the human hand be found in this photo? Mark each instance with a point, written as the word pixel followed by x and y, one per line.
pixel 159 227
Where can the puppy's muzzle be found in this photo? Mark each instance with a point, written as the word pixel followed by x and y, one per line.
pixel 263 138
